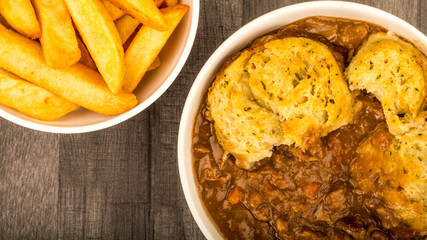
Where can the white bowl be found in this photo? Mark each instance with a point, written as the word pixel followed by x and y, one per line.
pixel 154 84
pixel 239 40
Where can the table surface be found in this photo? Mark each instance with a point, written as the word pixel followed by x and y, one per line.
pixel 123 182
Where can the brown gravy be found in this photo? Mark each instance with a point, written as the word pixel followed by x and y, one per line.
pixel 296 195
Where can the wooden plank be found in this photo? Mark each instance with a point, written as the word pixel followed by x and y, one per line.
pixel 28 183
pixel 254 9
pixel 104 179
pixel 407 10
pixel 218 20
pixel 422 16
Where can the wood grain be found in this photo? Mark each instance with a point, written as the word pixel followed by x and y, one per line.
pixel 28 183
pixel 123 182
pixel 103 179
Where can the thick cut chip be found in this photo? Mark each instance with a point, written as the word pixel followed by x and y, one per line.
pixel 86 59
pixel 171 3
pixel 101 39
pixel 300 80
pixel 21 16
pixel 126 26
pixel 4 22
pixel 395 72
pixel 147 44
pixel 32 100
pixel 155 64
pixel 114 11
pixel 58 37
pixel 76 83
pixel 144 11
pixel 159 3
pixel 243 128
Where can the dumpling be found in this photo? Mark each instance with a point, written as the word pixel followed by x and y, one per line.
pixel 286 91
pixel 395 72
pixel 243 128
pixel 300 80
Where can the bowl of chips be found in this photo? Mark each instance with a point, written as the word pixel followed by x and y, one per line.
pixel 82 66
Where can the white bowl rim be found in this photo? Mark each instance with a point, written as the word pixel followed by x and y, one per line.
pixel 132 112
pixel 187 179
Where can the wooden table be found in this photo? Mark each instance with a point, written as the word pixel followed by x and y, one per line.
pixel 123 182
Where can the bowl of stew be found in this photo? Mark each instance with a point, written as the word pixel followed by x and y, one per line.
pixel 283 197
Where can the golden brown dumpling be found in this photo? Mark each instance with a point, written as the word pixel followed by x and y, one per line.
pixel 395 72
pixel 300 80
pixel 243 128
pixel 287 91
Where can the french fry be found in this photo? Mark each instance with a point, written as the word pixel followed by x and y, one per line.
pixel 101 38
pixel 155 64
pixel 77 83
pixel 171 3
pixel 32 100
pixel 114 11
pixel 158 2
pixel 58 37
pixel 4 22
pixel 144 11
pixel 21 16
pixel 86 58
pixel 147 44
pixel 126 25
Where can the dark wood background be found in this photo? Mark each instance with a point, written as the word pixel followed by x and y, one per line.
pixel 123 182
